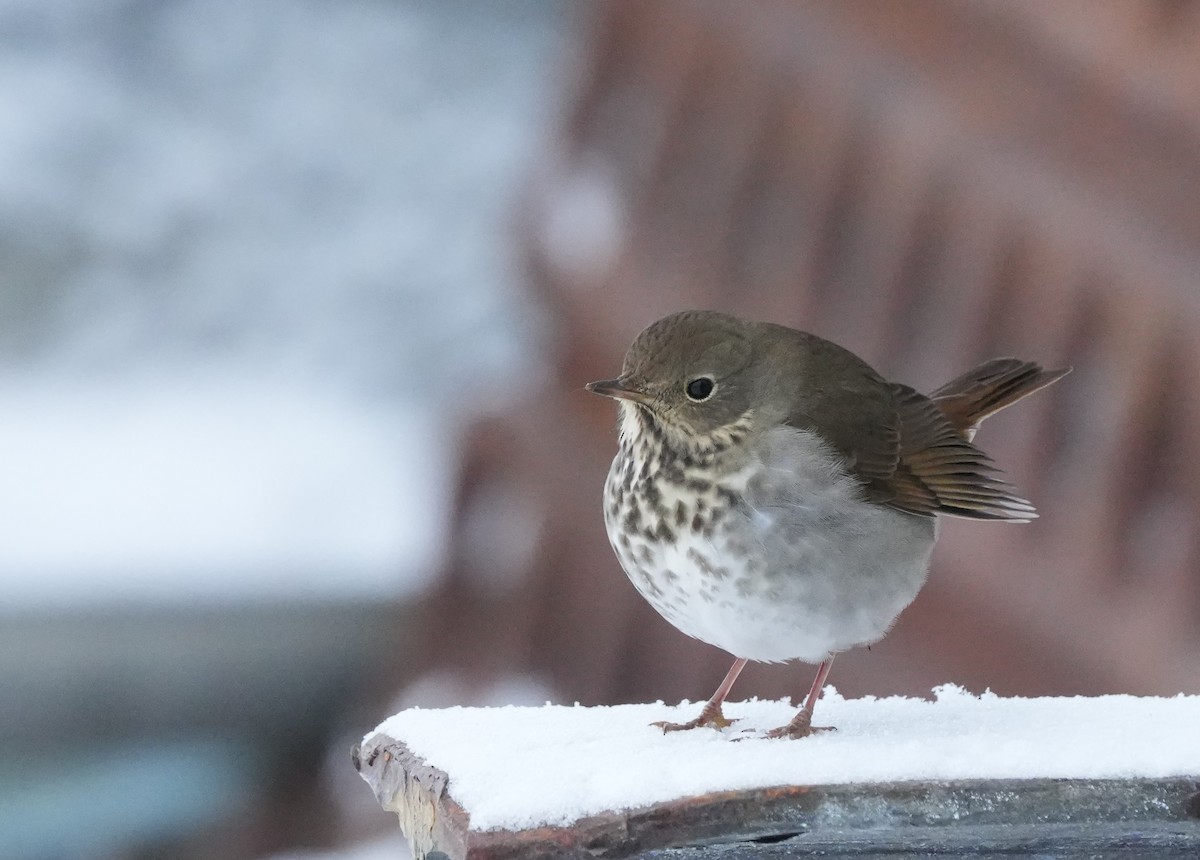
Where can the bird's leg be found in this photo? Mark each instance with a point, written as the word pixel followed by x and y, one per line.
pixel 711 716
pixel 801 725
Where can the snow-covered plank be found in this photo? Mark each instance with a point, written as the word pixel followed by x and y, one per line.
pixel 574 781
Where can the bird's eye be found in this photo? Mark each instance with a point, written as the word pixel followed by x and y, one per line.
pixel 700 389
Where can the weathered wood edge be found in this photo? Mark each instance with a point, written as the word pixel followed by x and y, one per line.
pixel 433 822
pixel 404 783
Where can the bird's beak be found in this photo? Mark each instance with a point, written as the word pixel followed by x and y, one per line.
pixel 618 389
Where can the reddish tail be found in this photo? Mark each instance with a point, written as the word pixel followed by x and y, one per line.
pixel 993 385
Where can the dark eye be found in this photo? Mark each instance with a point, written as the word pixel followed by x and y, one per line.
pixel 700 389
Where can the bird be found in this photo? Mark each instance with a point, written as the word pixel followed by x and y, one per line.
pixel 774 496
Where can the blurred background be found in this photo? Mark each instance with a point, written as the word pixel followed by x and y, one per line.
pixel 297 301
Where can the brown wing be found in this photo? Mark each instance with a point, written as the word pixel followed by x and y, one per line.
pixel 851 408
pixel 906 452
pixel 940 472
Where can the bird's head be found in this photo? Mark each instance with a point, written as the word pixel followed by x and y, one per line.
pixel 691 376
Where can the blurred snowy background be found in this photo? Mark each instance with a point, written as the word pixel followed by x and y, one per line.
pixel 254 259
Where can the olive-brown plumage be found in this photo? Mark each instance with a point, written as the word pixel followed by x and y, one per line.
pixel 774 496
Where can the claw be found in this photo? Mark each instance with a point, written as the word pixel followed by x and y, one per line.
pixel 799 732
pixel 709 718
pixel 800 727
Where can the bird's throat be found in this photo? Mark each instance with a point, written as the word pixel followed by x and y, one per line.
pixel 646 437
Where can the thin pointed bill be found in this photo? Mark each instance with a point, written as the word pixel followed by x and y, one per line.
pixel 618 389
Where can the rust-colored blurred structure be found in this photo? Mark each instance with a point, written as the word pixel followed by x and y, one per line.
pixel 929 184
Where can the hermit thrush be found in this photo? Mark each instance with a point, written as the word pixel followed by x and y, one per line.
pixel 774 496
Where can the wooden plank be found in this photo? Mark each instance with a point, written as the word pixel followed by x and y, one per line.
pixel 857 814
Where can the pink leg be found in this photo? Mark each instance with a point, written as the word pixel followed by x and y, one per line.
pixel 801 725
pixel 711 716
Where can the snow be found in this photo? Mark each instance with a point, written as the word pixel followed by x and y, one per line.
pixel 322 189
pixel 307 204
pixel 519 767
pixel 214 490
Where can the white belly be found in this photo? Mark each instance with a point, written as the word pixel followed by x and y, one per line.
pixel 797 574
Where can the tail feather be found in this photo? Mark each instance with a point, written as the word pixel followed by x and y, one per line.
pixel 993 385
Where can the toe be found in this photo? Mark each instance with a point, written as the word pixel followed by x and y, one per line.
pixel 798 731
pixel 711 721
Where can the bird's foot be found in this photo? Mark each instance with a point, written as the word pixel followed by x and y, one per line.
pixel 800 727
pixel 709 718
pixel 797 733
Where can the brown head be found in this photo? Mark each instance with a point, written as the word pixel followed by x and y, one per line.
pixel 693 372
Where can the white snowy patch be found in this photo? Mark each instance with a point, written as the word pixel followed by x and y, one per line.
pixel 584 221
pixel 518 767
pixel 216 490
